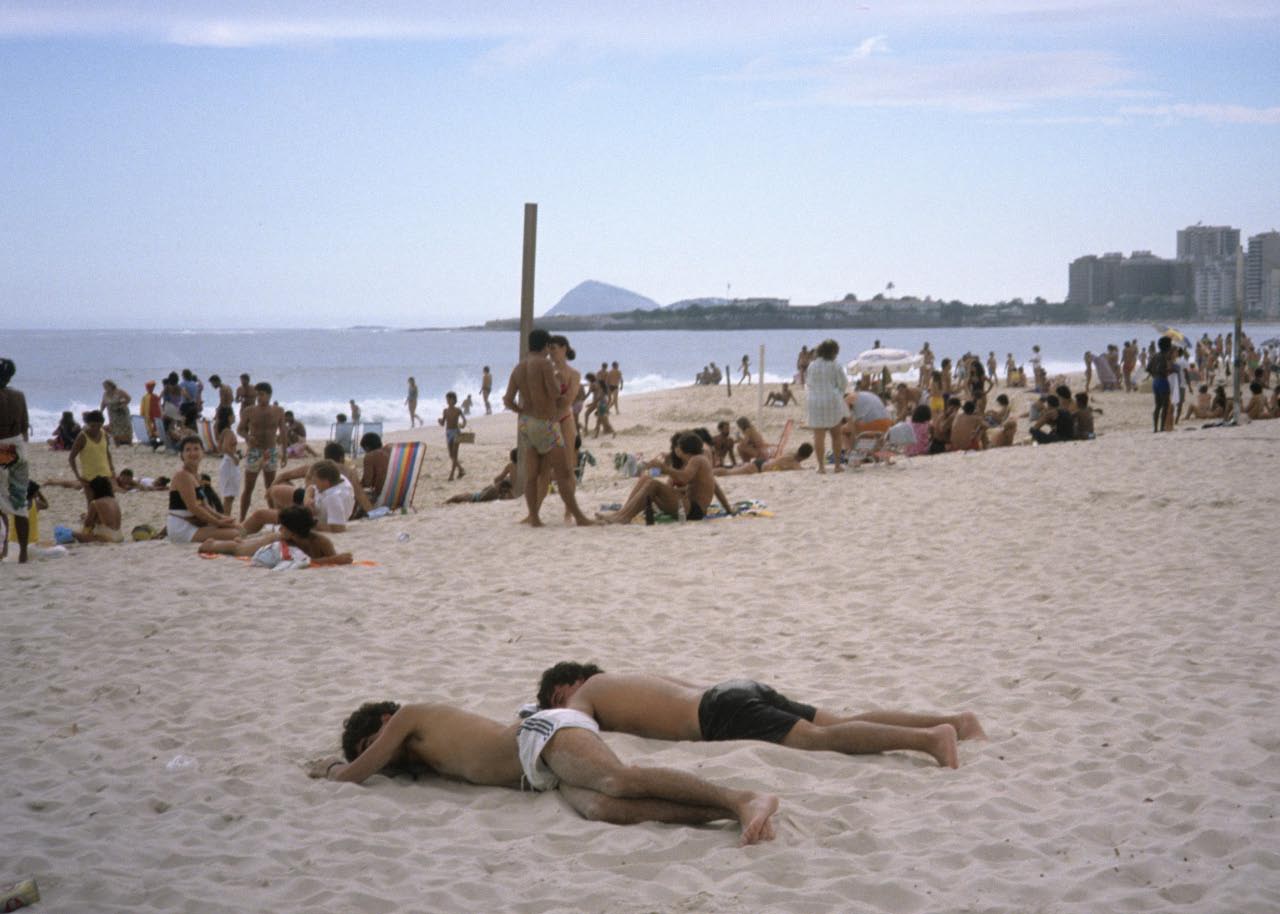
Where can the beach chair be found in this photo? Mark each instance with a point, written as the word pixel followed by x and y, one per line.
pixel 402 476
pixel 783 439
pixel 140 433
pixel 359 432
pixel 206 436
pixel 162 436
pixel 343 433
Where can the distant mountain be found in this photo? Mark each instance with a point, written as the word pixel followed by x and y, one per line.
pixel 593 297
pixel 700 302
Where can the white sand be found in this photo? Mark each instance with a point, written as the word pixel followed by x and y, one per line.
pixel 1107 608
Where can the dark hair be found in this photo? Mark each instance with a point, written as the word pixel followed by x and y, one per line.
pixel 223 418
pixel 335 452
pixel 451 397
pixel 1003 398
pixel 263 387
pixel 327 470
pixel 298 521
pixel 162 482
pixel 100 486
pixel 342 417
pixel 1051 401
pixel 922 413
pixel 1165 344
pixel 538 339
pixel 969 407
pixel 701 432
pixel 125 472
pixel 93 415
pixel 690 443
pixel 7 369
pixel 366 721
pixel 1063 392
pixel 370 441
pixel 189 439
pixel 288 414
pixel 566 672
pixel 1255 388
pixel 215 380
pixel 515 454
pixel 1082 399
pixel 804 451
pixel 827 349
pixel 569 354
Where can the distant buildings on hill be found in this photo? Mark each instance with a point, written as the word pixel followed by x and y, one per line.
pixel 1209 275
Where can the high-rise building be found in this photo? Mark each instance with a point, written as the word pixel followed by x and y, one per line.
pixel 1262 275
pixel 1212 251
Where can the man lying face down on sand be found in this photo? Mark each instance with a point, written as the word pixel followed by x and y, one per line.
pixel 559 748
pixel 659 707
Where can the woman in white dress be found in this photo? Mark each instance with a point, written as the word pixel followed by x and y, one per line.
pixel 825 386
pixel 229 481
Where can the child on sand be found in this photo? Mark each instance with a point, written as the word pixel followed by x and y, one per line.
pixel 502 487
pixel 90 456
pixel 453 421
pixel 722 445
pixel 102 520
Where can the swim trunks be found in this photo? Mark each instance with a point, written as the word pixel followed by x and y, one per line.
pixel 759 462
pixel 745 709
pixel 535 732
pixel 450 435
pixel 258 459
pixel 695 512
pixel 540 434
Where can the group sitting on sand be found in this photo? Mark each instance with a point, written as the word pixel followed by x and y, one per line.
pixel 558 745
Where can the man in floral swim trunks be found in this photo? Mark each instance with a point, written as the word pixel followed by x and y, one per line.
pixel 534 394
pixel 266 435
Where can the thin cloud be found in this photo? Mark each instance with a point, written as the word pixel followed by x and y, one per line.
pixel 1216 114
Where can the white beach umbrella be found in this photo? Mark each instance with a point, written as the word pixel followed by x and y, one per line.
pixel 876 360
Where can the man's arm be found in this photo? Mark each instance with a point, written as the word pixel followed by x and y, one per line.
pixel 380 752
pixel 509 398
pixel 76 447
pixel 242 427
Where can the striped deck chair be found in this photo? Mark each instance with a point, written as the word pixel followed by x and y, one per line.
pixel 783 439
pixel 402 476
pixel 140 433
pixel 206 436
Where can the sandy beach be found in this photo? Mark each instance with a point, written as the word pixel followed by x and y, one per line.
pixel 1105 608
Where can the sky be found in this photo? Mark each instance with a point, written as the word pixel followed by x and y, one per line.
pixel 239 164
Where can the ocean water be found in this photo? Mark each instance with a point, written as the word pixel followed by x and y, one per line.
pixel 315 372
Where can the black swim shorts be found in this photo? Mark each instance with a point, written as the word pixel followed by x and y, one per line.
pixel 745 709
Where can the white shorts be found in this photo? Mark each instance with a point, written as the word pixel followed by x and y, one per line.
pixel 534 734
pixel 229 483
pixel 180 529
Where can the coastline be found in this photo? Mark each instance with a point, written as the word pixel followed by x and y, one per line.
pixel 1082 598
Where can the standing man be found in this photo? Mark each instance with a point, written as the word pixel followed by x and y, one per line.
pixel 534 394
pixel 245 395
pixel 412 402
pixel 615 386
pixel 1128 362
pixel 486 386
pixel 15 432
pixel 266 434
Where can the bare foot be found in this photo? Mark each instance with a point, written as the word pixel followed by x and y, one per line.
pixel 942 745
pixel 754 814
pixel 584 521
pixel 967 726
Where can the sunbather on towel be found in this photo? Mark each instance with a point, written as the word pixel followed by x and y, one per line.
pixel 692 487
pixel 659 707
pixel 297 528
pixel 773 464
pixel 549 749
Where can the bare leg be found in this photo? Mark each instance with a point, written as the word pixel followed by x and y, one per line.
pixel 531 474
pixel 259 519
pixel 599 807
pixel 581 759
pixel 250 480
pixel 564 482
pixel 837 445
pixel 230 503
pixel 864 738
pixel 663 495
pixel 820 448
pixel 22 526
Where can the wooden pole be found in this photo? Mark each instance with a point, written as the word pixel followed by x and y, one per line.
pixel 760 388
pixel 526 311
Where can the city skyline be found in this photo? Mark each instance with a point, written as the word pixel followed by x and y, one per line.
pixel 218 165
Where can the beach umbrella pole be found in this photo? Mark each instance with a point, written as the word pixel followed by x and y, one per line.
pixel 1237 358
pixel 526 312
pixel 760 388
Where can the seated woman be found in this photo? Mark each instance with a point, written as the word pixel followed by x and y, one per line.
pixel 692 486
pixel 921 424
pixel 297 529
pixel 191 519
pixel 65 435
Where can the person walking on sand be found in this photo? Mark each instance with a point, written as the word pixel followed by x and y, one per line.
pixel 547 750
pixel 746 371
pixel 412 402
pixel 825 403
pixel 266 434
pixel 15 472
pixel 533 393
pixel 486 386
pixel 454 422
pixel 663 707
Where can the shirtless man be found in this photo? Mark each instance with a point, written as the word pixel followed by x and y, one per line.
pixel 968 429
pixel 15 471
pixel 550 749
pixel 266 435
pixel 722 445
pixel 377 463
pixel 782 397
pixel 752 444
pixel 613 377
pixel 760 465
pixel 692 487
pixel 1257 408
pixel 486 386
pixel 224 390
pixel 905 401
pixel 534 394
pixel 660 707
pixel 246 396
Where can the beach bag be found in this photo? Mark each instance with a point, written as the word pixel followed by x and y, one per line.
pixel 279 557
